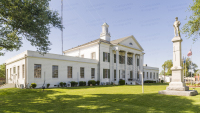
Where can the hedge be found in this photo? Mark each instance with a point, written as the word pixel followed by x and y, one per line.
pixel 149 81
pixel 33 85
pixel 97 82
pixel 93 82
pixel 121 82
pixel 73 83
pixel 82 83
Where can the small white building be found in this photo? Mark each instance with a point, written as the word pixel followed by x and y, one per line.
pixel 100 60
pixel 166 78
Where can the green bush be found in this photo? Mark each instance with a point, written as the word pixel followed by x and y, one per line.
pixel 82 83
pixel 61 84
pixel 93 82
pixel 73 83
pixel 121 82
pixel 97 82
pixel 48 85
pixel 150 81
pixel 162 81
pixel 64 84
pixel 33 85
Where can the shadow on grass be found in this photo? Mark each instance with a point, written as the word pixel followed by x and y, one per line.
pixel 55 101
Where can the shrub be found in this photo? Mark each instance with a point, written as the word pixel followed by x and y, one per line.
pixel 73 83
pixel 48 85
pixel 33 85
pixel 162 81
pixel 121 82
pixel 93 82
pixel 151 81
pixel 61 84
pixel 97 82
pixel 82 83
pixel 64 84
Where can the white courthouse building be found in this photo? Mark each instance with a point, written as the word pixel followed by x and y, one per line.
pixel 100 60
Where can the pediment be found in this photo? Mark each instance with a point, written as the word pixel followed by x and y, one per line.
pixel 131 42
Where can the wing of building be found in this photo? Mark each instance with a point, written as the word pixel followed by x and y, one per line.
pixel 100 60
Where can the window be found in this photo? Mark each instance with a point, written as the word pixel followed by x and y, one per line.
pixel 138 76
pixel 54 71
pixel 82 72
pixel 106 73
pixel 131 74
pixel 14 70
pixel 121 59
pixel 147 75
pixel 22 71
pixel 37 70
pixel 153 75
pixel 123 73
pixel 18 72
pixel 93 55
pixel 143 74
pixel 92 73
pixel 150 74
pixel 138 62
pixel 130 43
pixel 82 56
pixel 106 57
pixel 114 74
pixel 157 75
pixel 130 61
pixel 69 72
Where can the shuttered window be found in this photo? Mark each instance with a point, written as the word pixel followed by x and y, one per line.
pixel 131 74
pixel 69 72
pixel 106 73
pixel 106 57
pixel 82 72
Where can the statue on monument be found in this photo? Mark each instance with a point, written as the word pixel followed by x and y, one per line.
pixel 176 27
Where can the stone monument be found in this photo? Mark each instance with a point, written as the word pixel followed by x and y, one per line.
pixel 177 86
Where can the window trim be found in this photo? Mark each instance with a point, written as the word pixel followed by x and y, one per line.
pixel 83 72
pixel 40 71
pixel 52 71
pixel 71 72
pixel 92 73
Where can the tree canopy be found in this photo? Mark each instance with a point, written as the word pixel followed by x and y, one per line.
pixel 192 27
pixel 2 70
pixel 28 19
pixel 167 65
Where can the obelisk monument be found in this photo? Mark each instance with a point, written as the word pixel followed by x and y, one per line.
pixel 177 86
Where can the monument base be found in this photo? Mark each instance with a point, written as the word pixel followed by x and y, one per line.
pixel 179 93
pixel 174 88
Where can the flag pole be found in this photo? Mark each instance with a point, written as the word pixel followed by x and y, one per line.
pixel 183 68
pixel 191 66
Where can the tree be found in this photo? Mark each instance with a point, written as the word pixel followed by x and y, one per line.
pixel 188 64
pixel 2 70
pixel 167 66
pixel 29 19
pixel 191 28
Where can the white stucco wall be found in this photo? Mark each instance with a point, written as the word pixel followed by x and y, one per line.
pixel 149 70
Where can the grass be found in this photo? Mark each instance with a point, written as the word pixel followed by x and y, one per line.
pixel 115 99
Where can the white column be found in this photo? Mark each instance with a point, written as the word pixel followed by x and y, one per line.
pixel 117 68
pixel 111 66
pixel 133 67
pixel 141 64
pixel 136 67
pixel 125 67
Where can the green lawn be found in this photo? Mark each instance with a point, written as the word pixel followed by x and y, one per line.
pixel 96 99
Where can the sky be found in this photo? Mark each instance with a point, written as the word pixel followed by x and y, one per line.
pixel 149 21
